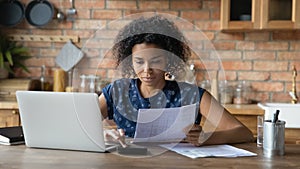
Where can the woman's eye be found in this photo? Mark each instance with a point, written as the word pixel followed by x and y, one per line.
pixel 139 62
pixel 156 61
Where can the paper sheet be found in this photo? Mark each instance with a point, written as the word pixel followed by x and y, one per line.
pixel 158 125
pixel 191 151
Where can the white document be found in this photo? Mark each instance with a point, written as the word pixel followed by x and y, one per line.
pixel 191 151
pixel 168 124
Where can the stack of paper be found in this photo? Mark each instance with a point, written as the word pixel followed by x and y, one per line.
pixel 191 151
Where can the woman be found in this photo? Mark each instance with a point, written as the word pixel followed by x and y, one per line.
pixel 153 50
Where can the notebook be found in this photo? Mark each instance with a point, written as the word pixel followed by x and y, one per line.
pixel 60 120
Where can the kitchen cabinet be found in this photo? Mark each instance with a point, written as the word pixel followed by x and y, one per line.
pixel 9 111
pixel 246 114
pixel 9 114
pixel 250 15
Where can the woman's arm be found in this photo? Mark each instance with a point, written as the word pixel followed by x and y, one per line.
pixel 103 106
pixel 220 127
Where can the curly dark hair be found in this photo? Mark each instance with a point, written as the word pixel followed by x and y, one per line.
pixel 154 30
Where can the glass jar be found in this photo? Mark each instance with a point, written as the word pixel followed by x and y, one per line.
pixel 241 93
pixel 205 84
pixel 225 92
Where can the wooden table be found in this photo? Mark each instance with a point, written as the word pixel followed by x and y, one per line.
pixel 15 157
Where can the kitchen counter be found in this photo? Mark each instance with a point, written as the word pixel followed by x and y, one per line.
pixel 244 109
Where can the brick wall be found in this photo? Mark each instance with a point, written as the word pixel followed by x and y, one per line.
pixel 264 59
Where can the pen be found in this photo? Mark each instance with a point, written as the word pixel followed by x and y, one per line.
pixel 121 134
pixel 275 118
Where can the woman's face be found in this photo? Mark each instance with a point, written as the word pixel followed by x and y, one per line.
pixel 149 63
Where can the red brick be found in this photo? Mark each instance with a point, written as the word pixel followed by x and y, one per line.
pixel 89 24
pixel 256 76
pixel 187 4
pixel 236 65
pixel 211 4
pixel 153 4
pixel 106 14
pixel 268 86
pixel 270 66
pixel 295 45
pixel 228 75
pixel 93 4
pixel 257 36
pixel 224 45
pixel 230 36
pixel 209 35
pixel 245 45
pixel 121 4
pixel 118 24
pixel 272 46
pixel 261 96
pixel 208 25
pixel 289 55
pixel 261 55
pixel 281 76
pixel 215 14
pixel 230 54
pixel 281 97
pixel 47 61
pixel 195 15
pixel 80 33
pixel 286 35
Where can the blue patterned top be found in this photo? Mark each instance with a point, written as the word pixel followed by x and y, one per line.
pixel 123 100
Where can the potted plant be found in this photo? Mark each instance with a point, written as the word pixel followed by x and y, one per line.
pixel 12 55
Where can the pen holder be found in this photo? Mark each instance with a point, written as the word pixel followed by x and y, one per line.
pixel 273 143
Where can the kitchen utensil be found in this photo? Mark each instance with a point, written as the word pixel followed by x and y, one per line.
pixel 39 12
pixel 60 16
pixel 71 12
pixel 11 12
pixel 69 56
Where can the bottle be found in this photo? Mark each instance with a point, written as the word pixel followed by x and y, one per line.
pixel 42 77
pixel 45 82
pixel 83 84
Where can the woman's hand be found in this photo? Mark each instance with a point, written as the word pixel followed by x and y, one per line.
pixel 193 134
pixel 113 135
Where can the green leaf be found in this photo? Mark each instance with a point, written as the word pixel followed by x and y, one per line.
pixel 18 50
pixel 9 58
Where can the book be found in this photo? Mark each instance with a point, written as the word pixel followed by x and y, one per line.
pixel 11 135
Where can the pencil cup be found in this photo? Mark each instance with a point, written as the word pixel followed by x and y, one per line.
pixel 273 142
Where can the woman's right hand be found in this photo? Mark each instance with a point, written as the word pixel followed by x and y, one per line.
pixel 113 135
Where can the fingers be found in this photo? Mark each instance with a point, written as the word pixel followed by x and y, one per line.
pixel 193 135
pixel 116 135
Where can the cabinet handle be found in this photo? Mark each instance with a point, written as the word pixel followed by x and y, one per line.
pixel 15 112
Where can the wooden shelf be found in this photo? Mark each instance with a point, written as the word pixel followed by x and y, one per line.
pixel 44 38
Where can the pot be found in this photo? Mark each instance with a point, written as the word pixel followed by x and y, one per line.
pixel 11 12
pixel 39 12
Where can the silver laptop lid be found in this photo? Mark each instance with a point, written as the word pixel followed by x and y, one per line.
pixel 61 120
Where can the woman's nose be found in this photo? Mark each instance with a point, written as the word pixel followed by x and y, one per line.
pixel 147 67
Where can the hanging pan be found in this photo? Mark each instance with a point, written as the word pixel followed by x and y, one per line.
pixel 39 12
pixel 11 12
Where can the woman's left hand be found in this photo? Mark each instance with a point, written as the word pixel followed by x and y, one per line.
pixel 193 134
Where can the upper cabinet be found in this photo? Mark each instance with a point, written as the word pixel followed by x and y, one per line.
pixel 237 15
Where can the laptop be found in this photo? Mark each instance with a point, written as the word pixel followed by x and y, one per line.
pixel 60 120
